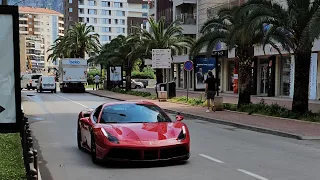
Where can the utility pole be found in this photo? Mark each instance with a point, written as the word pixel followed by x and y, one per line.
pixel 4 2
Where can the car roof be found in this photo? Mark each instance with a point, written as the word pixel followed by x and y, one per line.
pixel 129 102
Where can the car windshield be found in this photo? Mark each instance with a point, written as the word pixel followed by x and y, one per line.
pixel 35 76
pixel 133 113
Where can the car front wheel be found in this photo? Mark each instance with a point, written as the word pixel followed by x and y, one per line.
pixel 79 138
pixel 93 150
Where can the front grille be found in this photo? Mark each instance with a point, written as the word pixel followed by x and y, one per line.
pixel 129 154
pixel 132 154
pixel 173 152
pixel 151 154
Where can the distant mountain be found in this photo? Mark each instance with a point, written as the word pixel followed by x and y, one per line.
pixel 56 5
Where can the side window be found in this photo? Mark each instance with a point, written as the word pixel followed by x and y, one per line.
pixel 96 113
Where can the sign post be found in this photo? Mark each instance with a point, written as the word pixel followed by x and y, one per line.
pixel 10 92
pixel 188 66
pixel 161 59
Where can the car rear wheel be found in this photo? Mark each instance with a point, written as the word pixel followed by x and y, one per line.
pixel 79 138
pixel 93 150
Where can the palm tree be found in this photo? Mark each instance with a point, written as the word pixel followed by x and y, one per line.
pixel 295 27
pixel 122 51
pixel 160 37
pixel 224 28
pixel 78 41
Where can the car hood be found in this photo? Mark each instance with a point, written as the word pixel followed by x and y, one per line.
pixel 144 131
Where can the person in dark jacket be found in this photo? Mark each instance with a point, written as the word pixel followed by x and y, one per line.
pixel 211 89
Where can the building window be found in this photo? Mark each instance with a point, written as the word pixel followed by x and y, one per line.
pixel 105 4
pixel 104 21
pixel 92 3
pixel 118 5
pixel 106 29
pixel 122 21
pixel 70 1
pixel 119 30
pixel 116 21
pixel 144 6
pixel 285 76
pixel 230 75
pixel 120 13
pixel 92 11
pixel 144 14
pixel 104 38
pixel 104 12
pixel 70 9
pixel 123 30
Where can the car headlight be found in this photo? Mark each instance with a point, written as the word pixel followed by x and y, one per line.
pixel 110 137
pixel 183 134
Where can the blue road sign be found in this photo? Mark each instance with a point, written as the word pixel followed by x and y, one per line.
pixel 188 65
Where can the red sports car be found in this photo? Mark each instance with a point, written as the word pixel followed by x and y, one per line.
pixel 132 131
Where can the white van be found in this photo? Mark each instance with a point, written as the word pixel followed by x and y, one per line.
pixel 47 83
pixel 30 81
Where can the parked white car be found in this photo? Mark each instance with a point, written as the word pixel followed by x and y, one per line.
pixel 134 84
pixel 30 81
pixel 47 83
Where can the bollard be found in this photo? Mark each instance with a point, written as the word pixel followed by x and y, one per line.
pixel 35 155
pixel 33 174
pixel 30 157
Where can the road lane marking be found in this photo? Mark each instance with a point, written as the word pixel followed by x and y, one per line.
pixel 72 101
pixel 252 174
pixel 211 158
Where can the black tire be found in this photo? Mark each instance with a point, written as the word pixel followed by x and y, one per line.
pixel 93 150
pixel 55 91
pixel 79 137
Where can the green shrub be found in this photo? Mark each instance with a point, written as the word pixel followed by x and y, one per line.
pixel 260 108
pixel 135 93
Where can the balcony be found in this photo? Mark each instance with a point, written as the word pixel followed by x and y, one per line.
pixel 188 22
pixel 179 2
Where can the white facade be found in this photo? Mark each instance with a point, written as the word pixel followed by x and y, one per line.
pixel 41 23
pixel 109 18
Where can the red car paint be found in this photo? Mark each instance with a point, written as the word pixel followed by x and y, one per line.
pixel 150 141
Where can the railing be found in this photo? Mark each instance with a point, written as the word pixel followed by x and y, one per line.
pixel 187 19
pixel 30 155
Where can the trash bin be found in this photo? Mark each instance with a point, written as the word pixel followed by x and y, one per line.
pixel 172 89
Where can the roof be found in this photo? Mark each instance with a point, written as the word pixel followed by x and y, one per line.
pixel 37 10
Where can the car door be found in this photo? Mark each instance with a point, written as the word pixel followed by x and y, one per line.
pixel 88 125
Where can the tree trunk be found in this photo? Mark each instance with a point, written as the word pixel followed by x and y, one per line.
pixel 128 79
pixel 245 57
pixel 300 101
pixel 244 82
pixel 159 76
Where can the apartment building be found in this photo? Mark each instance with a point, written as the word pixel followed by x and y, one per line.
pixel 39 28
pixel 109 18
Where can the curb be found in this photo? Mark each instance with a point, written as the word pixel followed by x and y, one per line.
pixel 228 123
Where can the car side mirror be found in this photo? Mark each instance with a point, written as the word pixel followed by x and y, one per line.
pixel 85 120
pixel 179 117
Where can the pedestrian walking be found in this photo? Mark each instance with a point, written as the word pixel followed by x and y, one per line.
pixel 97 81
pixel 211 89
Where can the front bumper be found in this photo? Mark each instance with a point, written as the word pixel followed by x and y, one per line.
pixel 178 158
pixel 169 153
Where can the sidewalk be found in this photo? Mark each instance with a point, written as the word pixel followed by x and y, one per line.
pixel 271 125
pixel 314 105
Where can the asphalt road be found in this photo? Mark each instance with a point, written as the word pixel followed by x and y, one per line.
pixel 217 152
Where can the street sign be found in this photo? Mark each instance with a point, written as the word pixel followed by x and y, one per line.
pixel 222 53
pixel 161 58
pixel 188 65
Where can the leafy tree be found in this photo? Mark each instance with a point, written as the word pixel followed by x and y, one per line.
pixel 294 25
pixel 122 51
pixel 226 28
pixel 78 41
pixel 160 37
